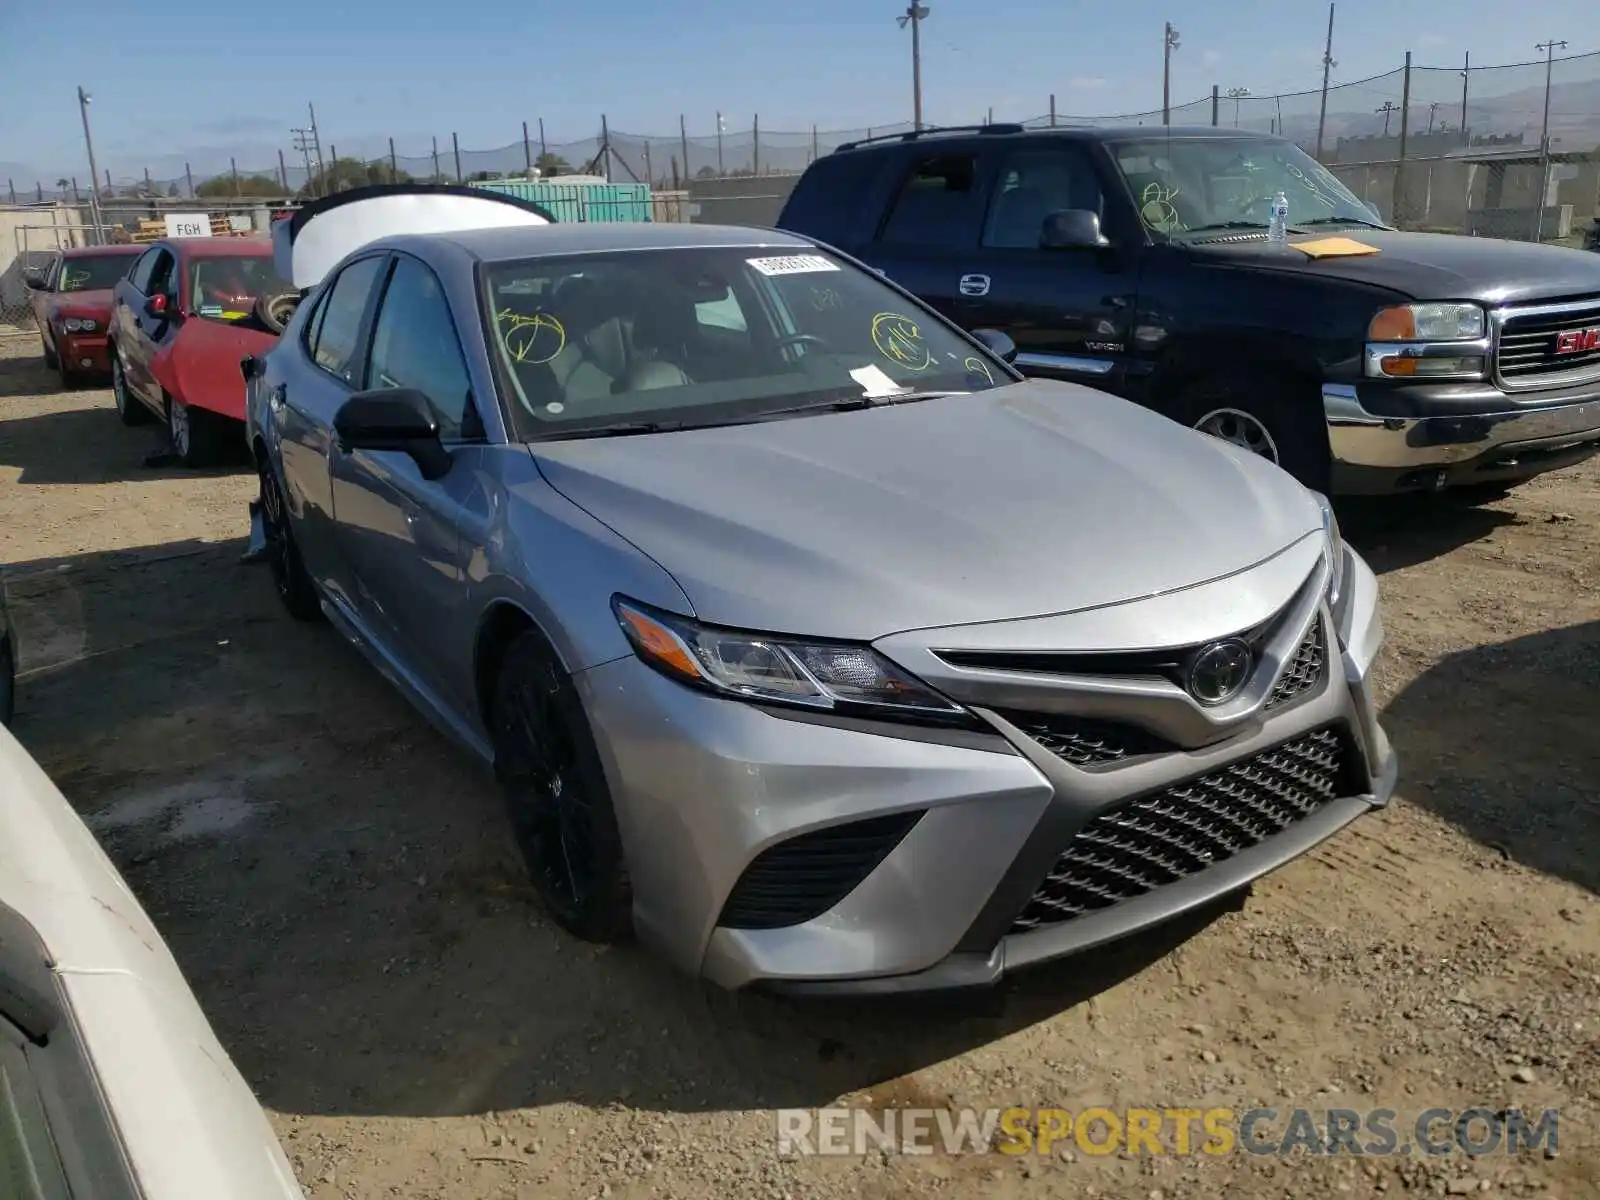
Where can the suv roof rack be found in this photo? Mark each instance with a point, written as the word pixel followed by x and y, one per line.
pixel 914 134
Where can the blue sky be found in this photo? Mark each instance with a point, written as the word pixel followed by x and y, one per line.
pixel 188 78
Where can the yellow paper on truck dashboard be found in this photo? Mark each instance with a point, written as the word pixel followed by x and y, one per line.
pixel 1334 247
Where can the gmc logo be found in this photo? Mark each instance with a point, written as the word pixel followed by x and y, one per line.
pixel 1577 341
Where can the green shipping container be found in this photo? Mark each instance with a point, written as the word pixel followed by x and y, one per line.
pixel 579 201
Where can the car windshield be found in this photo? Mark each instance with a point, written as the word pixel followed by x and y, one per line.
pixel 1192 185
pixel 226 288
pixel 93 272
pixel 711 335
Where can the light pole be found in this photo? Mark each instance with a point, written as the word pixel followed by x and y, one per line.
pixel 1549 49
pixel 1169 43
pixel 1327 69
pixel 94 172
pixel 914 15
pixel 1236 94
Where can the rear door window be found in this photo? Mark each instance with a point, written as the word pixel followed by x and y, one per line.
pixel 338 332
pixel 937 204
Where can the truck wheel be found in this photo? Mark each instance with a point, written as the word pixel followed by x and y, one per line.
pixel 1273 415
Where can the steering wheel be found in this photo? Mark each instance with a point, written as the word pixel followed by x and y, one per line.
pixel 798 339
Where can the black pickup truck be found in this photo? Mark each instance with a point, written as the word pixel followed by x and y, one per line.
pixel 1359 357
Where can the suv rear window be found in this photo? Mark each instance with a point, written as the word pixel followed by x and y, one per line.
pixel 827 199
pixel 936 205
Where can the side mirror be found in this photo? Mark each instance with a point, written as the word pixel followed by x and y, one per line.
pixel 156 306
pixel 999 344
pixel 1072 229
pixel 397 419
pixel 33 279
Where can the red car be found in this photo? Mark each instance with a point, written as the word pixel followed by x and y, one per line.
pixel 72 307
pixel 181 321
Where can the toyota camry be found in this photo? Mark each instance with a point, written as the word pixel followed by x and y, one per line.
pixel 809 641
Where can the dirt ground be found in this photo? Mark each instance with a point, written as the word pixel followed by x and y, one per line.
pixel 340 888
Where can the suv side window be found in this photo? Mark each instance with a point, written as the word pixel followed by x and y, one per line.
pixel 937 203
pixel 338 324
pixel 414 345
pixel 140 275
pixel 1033 184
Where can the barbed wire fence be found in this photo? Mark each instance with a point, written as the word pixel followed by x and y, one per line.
pixel 1458 149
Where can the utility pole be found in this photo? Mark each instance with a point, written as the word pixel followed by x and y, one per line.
pixel 316 141
pixel 1169 43
pixel 1433 107
pixel 94 173
pixel 302 143
pixel 1237 94
pixel 1327 71
pixel 914 15
pixel 1549 49
pixel 1388 108
pixel 1466 72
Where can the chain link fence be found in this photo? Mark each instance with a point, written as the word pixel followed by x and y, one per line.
pixel 1463 149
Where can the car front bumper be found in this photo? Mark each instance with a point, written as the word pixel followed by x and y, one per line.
pixel 1374 453
pixel 711 792
pixel 85 352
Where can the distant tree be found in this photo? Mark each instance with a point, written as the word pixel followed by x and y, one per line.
pixel 706 173
pixel 480 176
pixel 345 173
pixel 63 184
pixel 221 187
pixel 172 190
pixel 552 164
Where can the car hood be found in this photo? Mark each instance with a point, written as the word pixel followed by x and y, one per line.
pixel 1432 266
pixel 1029 500
pixel 95 303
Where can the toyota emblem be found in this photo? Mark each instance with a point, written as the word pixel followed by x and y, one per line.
pixel 1220 671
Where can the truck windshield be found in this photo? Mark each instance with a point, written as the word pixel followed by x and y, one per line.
pixel 1191 185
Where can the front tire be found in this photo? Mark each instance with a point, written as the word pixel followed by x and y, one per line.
pixel 129 408
pixel 556 795
pixel 1271 415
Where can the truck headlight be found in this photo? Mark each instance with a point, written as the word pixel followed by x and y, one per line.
pixel 1427 341
pixel 80 325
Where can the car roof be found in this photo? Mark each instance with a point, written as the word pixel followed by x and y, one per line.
pixel 98 251
pixel 1082 133
pixel 220 247
pixel 597 237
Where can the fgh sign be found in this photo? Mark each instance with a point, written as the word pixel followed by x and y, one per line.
pixel 184 225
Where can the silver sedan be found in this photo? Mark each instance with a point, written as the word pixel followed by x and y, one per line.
pixel 808 640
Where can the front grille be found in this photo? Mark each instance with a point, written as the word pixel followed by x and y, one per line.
pixel 1529 344
pixel 1085 743
pixel 800 879
pixel 1154 840
pixel 1304 671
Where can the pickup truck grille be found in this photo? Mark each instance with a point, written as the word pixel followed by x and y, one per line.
pixel 1549 346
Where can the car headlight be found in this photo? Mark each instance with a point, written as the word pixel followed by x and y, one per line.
pixel 830 676
pixel 1334 550
pixel 80 325
pixel 1427 341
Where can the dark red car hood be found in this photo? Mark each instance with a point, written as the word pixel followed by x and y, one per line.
pixel 94 303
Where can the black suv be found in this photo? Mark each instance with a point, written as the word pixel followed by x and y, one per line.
pixel 1358 357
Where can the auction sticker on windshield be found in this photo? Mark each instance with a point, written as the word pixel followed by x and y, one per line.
pixel 792 264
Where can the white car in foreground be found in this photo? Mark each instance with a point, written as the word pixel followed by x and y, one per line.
pixel 112 1084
